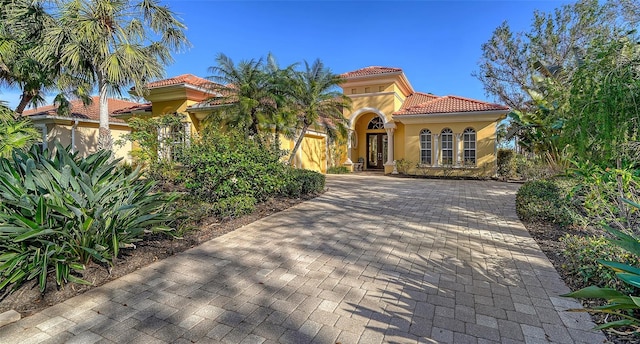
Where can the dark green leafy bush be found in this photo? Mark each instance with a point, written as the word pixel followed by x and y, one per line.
pixel 60 212
pixel 222 166
pixel 543 200
pixel 506 163
pixel 303 182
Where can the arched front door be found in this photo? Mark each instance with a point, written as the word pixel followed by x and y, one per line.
pixel 376 150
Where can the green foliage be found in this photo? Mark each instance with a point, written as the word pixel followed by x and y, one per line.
pixel 301 182
pixel 145 133
pixel 601 193
pixel 624 306
pixel 15 133
pixel 583 254
pixel 403 165
pixel 338 170
pixel 223 165
pixel 602 124
pixel 59 212
pixel 234 206
pixel 532 169
pixel 506 163
pixel 543 200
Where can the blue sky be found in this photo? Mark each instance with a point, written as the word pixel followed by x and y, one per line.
pixel 436 43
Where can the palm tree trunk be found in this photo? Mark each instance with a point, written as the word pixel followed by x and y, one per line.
pixel 298 143
pixel 24 101
pixel 105 141
pixel 253 128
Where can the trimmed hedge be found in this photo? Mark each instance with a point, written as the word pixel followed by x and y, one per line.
pixel 303 182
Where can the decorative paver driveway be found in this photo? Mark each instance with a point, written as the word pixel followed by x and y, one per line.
pixel 375 259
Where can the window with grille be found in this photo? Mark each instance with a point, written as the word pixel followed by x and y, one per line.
pixel 376 123
pixel 446 139
pixel 425 147
pixel 469 139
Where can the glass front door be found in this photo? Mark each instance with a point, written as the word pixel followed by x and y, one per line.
pixel 376 150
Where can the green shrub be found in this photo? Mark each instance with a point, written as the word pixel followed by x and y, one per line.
pixel 303 182
pixel 235 206
pixel 222 166
pixel 583 254
pixel 533 169
pixel 506 163
pixel 60 212
pixel 543 200
pixel 600 193
pixel 338 170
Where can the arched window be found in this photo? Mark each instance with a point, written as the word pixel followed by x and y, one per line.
pixel 376 123
pixel 425 147
pixel 469 139
pixel 446 139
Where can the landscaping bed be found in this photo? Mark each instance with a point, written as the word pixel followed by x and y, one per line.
pixel 28 300
pixel 548 238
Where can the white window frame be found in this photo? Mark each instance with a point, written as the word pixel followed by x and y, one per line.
pixel 426 147
pixel 469 139
pixel 446 147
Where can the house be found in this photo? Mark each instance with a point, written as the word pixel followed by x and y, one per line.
pixel 79 129
pixel 196 98
pixel 390 124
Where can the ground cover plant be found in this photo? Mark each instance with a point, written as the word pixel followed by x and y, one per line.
pixel 60 212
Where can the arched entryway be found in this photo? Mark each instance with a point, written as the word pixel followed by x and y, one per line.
pixel 370 146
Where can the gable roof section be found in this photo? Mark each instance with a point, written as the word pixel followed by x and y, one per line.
pixel 89 112
pixel 371 70
pixel 444 105
pixel 186 79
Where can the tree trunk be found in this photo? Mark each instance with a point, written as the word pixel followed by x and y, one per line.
pixel 24 101
pixel 105 141
pixel 253 128
pixel 298 143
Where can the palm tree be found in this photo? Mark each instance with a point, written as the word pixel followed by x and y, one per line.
pixel 23 24
pixel 250 93
pixel 284 118
pixel 113 44
pixel 317 100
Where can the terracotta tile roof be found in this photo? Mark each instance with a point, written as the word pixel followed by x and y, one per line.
pixel 212 102
pixel 447 104
pixel 79 110
pixel 188 79
pixel 418 98
pixel 371 70
pixel 138 107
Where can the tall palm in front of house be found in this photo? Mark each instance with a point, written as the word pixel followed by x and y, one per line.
pixel 317 101
pixel 114 44
pixel 23 62
pixel 251 94
pixel 282 121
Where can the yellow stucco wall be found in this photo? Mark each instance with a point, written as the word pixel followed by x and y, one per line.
pixel 312 154
pixel 485 148
pixel 86 138
pixel 160 108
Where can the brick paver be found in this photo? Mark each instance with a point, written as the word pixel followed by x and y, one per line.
pixel 374 260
